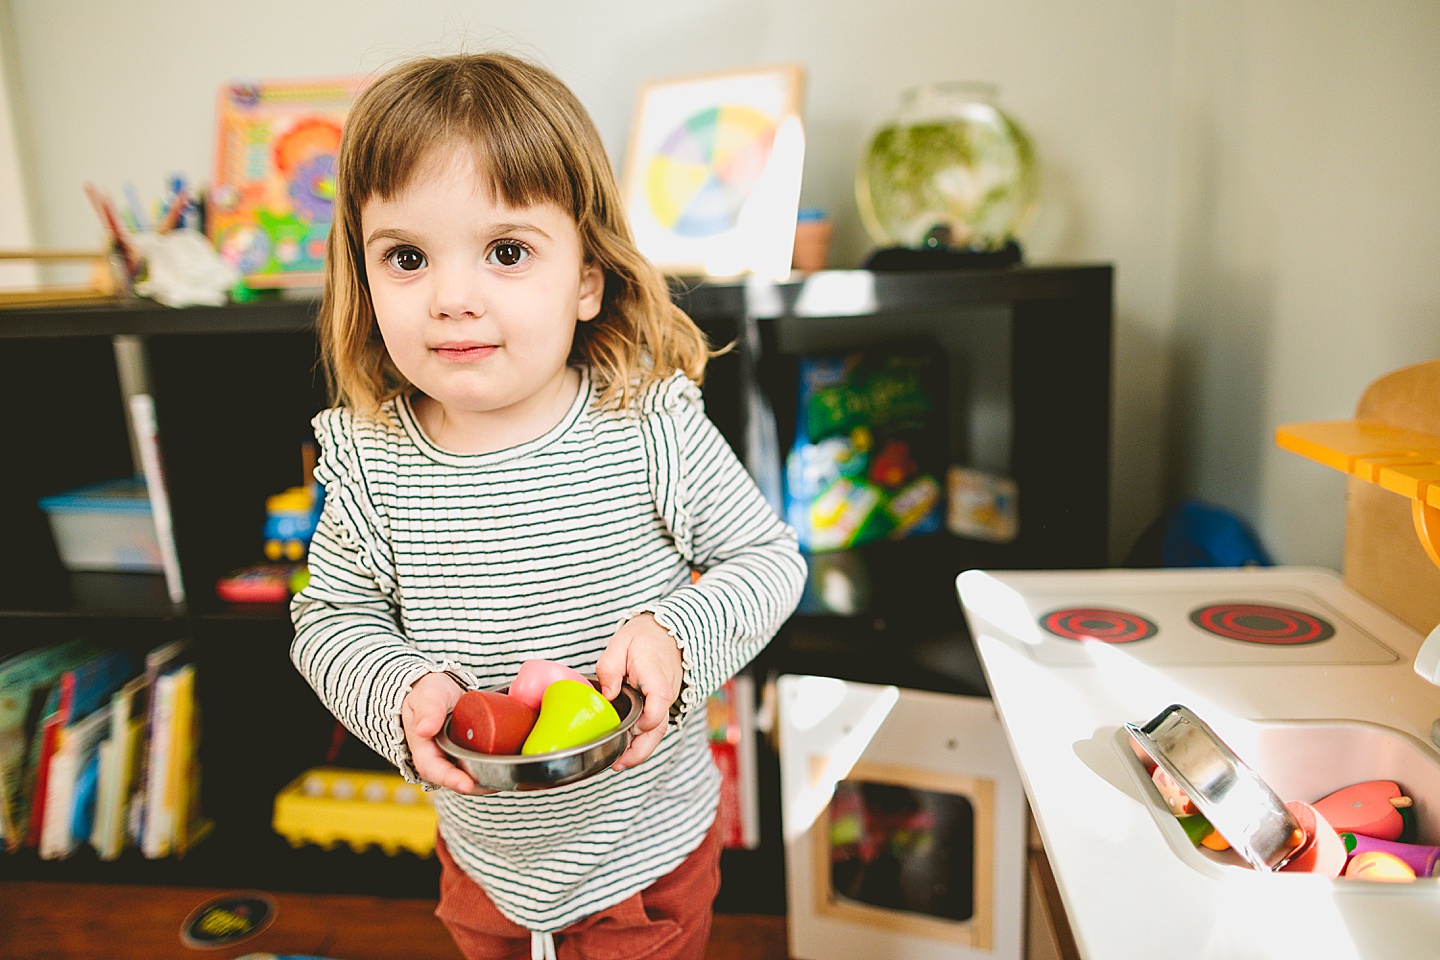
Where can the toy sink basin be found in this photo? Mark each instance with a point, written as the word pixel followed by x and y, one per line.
pixel 1306 760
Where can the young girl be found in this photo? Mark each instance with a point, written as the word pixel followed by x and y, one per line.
pixel 519 467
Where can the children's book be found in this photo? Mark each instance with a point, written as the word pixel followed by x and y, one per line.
pixel 25 682
pixel 730 729
pixel 119 761
pixel 147 439
pixel 184 739
pixel 870 447
pixel 80 690
pixel 77 745
pixel 155 838
pixel 82 808
pixel 169 790
pixel 158 662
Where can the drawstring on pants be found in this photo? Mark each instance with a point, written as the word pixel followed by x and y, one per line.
pixel 542 946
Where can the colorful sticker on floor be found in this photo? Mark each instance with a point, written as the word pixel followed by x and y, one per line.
pixel 227 919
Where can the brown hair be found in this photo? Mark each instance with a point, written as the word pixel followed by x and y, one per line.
pixel 536 143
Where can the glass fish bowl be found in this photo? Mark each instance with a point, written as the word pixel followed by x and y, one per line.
pixel 950 169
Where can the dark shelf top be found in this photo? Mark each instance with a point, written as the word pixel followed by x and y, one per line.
pixel 147 318
pixel 826 293
pixel 91 597
pixel 853 293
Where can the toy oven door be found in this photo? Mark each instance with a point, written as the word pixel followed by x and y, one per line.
pixel 904 821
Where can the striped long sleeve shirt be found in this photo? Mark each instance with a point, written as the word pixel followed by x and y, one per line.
pixel 429 560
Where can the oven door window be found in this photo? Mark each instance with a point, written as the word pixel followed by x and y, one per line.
pixel 896 847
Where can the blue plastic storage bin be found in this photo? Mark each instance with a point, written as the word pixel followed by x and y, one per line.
pixel 105 526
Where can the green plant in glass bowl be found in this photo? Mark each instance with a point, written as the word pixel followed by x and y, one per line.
pixel 950 169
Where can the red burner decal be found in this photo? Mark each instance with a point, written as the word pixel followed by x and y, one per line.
pixel 1261 623
pixel 1100 624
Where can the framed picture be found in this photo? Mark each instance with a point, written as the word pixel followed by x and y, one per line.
pixel 272 194
pixel 712 171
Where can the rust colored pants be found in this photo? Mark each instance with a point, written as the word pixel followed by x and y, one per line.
pixel 668 920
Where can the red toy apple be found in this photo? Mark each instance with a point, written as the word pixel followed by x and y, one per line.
pixel 489 722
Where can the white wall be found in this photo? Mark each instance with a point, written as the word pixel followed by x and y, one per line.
pixel 1308 210
pixel 15 232
pixel 1273 240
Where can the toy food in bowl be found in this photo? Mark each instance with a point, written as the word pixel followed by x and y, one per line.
pixel 576 734
pixel 1352 788
pixel 1205 772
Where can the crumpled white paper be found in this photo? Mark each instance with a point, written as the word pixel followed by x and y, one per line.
pixel 182 269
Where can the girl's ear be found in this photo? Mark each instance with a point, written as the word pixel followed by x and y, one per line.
pixel 592 291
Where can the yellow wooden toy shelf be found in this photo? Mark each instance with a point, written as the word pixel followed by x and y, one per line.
pixel 1392 446
pixel 1401 461
pixel 329 806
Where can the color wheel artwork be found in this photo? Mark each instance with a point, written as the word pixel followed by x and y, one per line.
pixel 707 168
pixel 272 196
pixel 707 171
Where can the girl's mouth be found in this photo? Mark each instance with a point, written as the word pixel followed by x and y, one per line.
pixel 464 352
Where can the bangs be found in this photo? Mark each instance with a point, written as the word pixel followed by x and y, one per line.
pixel 520 144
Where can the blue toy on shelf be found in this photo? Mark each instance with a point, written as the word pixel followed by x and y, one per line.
pixel 290 520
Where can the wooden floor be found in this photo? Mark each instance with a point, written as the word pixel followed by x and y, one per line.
pixel 79 921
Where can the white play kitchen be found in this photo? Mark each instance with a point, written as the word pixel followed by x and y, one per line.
pixel 1305 680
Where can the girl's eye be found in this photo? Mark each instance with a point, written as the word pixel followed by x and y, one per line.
pixel 508 253
pixel 406 259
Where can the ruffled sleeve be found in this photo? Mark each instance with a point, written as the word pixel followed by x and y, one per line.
pixel 348 644
pixel 751 571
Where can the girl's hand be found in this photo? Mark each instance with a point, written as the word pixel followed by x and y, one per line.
pixel 422 714
pixel 646 654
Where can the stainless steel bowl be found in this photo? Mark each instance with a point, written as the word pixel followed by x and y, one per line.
pixel 1238 804
pixel 541 770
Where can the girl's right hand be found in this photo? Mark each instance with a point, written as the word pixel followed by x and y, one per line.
pixel 422 714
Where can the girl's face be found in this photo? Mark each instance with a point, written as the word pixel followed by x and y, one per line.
pixel 477 303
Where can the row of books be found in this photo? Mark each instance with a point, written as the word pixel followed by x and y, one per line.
pixel 730 729
pixel 98 748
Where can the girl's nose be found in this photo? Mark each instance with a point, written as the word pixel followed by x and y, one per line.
pixel 454 293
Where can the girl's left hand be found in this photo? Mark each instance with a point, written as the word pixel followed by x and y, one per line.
pixel 646 654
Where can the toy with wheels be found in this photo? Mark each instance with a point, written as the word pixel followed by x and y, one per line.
pixel 290 521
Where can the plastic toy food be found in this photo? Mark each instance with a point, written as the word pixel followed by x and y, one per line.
pixel 1170 791
pixel 1322 852
pixel 491 722
pixel 1422 859
pixel 1214 841
pixel 1369 808
pixel 1143 757
pixel 1197 828
pixel 572 712
pixel 534 676
pixel 1379 866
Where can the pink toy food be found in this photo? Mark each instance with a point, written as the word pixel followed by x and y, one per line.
pixel 1142 756
pixel 489 722
pixel 1376 865
pixel 1170 792
pixel 1424 860
pixel 1322 851
pixel 535 675
pixel 1369 808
